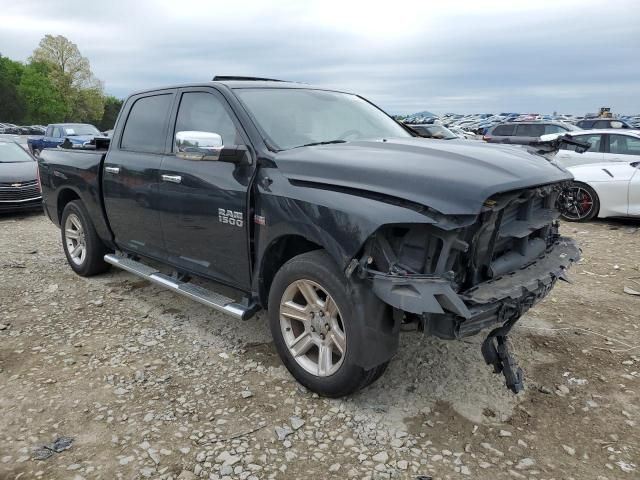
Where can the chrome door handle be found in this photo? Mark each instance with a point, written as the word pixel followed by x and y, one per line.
pixel 172 178
pixel 114 170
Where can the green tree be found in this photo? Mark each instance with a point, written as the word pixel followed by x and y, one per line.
pixel 112 106
pixel 43 103
pixel 12 107
pixel 71 74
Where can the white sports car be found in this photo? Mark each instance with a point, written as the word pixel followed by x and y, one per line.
pixel 609 189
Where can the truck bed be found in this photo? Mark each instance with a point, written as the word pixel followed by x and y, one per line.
pixel 77 173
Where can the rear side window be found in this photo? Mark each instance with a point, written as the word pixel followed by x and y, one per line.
pixel 554 129
pixel 530 130
pixel 146 127
pixel 503 130
pixel 585 124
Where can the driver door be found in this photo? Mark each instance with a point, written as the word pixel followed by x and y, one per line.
pixel 203 204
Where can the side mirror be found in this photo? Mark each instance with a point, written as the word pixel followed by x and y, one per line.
pixel 192 145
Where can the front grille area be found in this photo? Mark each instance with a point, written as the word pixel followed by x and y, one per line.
pixel 514 230
pixel 19 191
pixel 511 232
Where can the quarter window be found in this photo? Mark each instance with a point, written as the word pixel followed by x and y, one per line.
pixel 145 130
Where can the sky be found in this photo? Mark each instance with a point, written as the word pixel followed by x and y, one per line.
pixel 536 56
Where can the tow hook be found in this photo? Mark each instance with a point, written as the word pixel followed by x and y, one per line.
pixel 495 351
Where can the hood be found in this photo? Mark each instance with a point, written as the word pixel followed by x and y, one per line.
pixel 453 177
pixel 18 172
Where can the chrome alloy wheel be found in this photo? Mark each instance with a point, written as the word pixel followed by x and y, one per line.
pixel 75 239
pixel 312 328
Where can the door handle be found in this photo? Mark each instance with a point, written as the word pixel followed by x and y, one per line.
pixel 172 178
pixel 114 170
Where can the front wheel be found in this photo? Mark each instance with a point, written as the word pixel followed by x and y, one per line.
pixel 315 327
pixel 578 202
pixel 82 246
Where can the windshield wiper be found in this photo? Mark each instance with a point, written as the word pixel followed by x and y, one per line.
pixel 328 142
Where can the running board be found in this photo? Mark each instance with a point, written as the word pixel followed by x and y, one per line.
pixel 194 292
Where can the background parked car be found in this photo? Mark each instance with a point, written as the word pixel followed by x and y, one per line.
pixel 591 123
pixel 608 145
pixel 19 187
pixel 434 131
pixel 75 134
pixel 523 133
pixel 602 190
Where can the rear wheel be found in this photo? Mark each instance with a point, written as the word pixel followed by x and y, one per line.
pixel 82 246
pixel 579 203
pixel 315 328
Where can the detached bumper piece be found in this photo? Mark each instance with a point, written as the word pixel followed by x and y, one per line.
pixel 495 351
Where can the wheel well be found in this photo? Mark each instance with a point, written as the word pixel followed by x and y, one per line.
pixel 65 196
pixel 276 255
pixel 597 197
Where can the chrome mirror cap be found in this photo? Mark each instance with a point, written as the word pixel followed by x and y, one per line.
pixel 193 145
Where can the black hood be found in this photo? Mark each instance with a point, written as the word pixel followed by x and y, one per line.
pixel 18 172
pixel 454 177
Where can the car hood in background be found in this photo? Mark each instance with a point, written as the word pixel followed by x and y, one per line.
pixel 17 172
pixel 453 177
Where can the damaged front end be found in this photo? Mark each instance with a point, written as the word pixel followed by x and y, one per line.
pixel 456 278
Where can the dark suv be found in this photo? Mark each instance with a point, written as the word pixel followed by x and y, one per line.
pixel 602 123
pixel 524 132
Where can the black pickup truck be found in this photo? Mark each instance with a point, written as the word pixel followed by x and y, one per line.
pixel 318 206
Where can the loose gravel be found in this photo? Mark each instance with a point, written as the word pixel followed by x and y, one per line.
pixel 111 377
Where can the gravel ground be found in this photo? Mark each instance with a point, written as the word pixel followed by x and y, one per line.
pixel 135 382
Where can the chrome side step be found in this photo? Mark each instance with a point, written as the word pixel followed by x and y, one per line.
pixel 194 292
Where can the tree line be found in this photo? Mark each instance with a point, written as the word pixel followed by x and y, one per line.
pixel 55 85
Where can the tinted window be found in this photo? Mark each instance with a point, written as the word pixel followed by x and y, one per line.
pixel 585 124
pixel 49 132
pixel 594 140
pixel 530 130
pixel 57 133
pixel 145 129
pixel 205 112
pixel 623 145
pixel 504 130
pixel 554 129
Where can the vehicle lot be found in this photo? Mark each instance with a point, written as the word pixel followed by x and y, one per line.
pixel 152 385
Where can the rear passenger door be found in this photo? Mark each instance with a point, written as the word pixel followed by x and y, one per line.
pixel 203 204
pixel 131 174
pixel 568 157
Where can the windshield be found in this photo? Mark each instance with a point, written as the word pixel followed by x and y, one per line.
pixel 292 118
pixel 73 130
pixel 13 153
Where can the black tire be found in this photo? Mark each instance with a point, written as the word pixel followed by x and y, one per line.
pixel 92 263
pixel 319 268
pixel 579 203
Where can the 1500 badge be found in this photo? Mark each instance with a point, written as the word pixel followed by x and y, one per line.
pixel 230 216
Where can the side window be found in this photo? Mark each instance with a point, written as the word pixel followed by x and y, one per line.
pixel 594 140
pixel 145 130
pixel 616 124
pixel 205 112
pixel 530 130
pixel 586 124
pixel 603 124
pixel 57 132
pixel 504 130
pixel 619 145
pixel 49 132
pixel 633 145
pixel 554 129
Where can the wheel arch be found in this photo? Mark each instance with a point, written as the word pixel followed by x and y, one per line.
pixel 65 196
pixel 278 252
